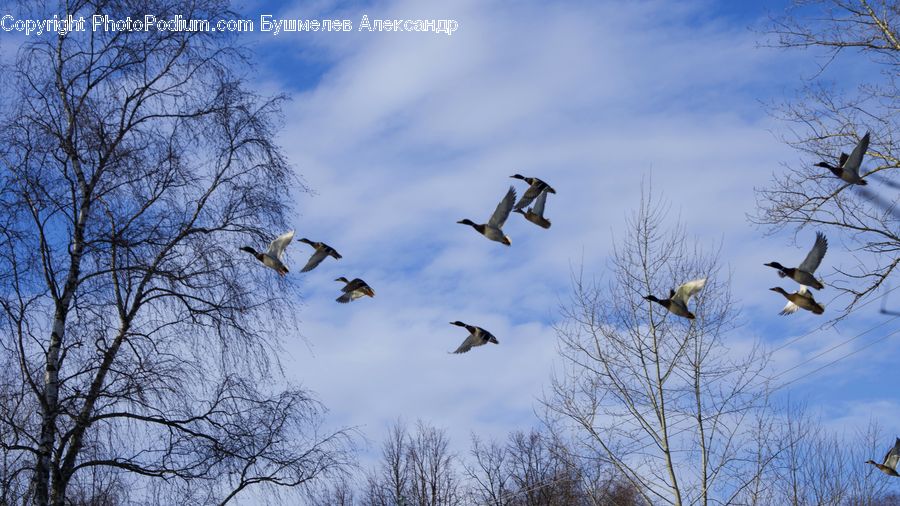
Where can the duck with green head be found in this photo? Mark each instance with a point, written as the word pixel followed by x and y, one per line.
pixel 677 303
pixel 354 289
pixel 493 229
pixel 272 258
pixel 849 165
pixel 322 251
pixel 804 273
pixel 535 188
pixel 477 337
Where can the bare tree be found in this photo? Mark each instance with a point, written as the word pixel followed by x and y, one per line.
pixel 829 119
pixel 389 483
pixel 538 468
pixel 543 472
pixel 487 472
pixel 416 469
pixel 658 397
pixel 341 492
pixel 135 337
pixel 432 467
pixel 815 466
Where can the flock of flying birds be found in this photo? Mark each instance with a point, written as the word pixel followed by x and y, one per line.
pixel 847 170
pixel 353 289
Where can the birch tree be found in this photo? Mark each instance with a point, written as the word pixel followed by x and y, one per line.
pixel 662 399
pixel 137 341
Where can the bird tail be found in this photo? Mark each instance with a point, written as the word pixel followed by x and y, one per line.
pixel 343 299
pixel 862 182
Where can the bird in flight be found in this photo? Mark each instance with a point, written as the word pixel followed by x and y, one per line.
pixel 493 229
pixel 273 256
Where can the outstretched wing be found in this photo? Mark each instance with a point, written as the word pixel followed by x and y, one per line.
pixel 789 308
pixel 843 159
pixel 687 290
pixel 276 247
pixel 540 203
pixel 315 259
pixel 893 456
pixel 530 194
pixel 855 159
pixel 466 345
pixel 815 255
pixel 503 209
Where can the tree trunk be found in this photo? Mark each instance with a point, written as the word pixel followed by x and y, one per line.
pixel 50 398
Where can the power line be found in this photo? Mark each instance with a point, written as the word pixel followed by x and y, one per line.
pixel 854 352
pixel 783 385
pixel 857 336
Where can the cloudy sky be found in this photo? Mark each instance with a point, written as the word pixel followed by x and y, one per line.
pixel 401 134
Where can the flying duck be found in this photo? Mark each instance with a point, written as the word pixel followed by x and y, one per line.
pixel 477 337
pixel 535 188
pixel 801 299
pixel 272 257
pixel 678 299
pixel 493 228
pixel 322 250
pixel 354 290
pixel 889 466
pixel 536 213
pixel 848 165
pixel 804 273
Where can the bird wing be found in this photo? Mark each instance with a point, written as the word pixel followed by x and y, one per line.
pixel 503 209
pixel 530 194
pixel 315 260
pixel 893 456
pixel 466 345
pixel 276 247
pixel 687 290
pixel 815 255
pixel 855 159
pixel 843 159
pixel 356 284
pixel 540 203
pixel 789 308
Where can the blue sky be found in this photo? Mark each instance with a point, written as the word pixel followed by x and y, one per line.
pixel 402 134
